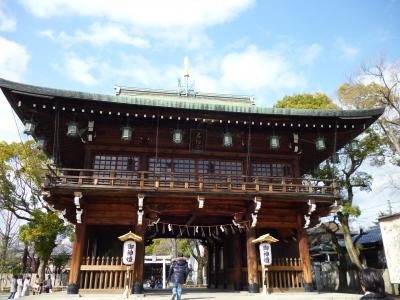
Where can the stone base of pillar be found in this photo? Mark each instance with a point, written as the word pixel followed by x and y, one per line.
pixel 137 288
pixel 238 286
pixel 253 288
pixel 308 287
pixel 72 289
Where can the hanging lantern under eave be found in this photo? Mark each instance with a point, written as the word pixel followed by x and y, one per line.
pixel 274 142
pixel 72 130
pixel 320 144
pixel 30 127
pixel 126 133
pixel 227 140
pixel 41 143
pixel 335 158
pixel 177 136
pixel 354 144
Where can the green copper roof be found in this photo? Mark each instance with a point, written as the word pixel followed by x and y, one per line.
pixel 188 103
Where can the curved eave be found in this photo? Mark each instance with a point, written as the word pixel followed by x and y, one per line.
pixel 43 92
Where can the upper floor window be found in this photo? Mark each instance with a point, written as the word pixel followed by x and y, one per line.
pixel 271 169
pixel 116 162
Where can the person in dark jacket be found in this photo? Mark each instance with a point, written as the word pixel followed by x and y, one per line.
pixel 178 272
pixel 13 287
pixel 373 285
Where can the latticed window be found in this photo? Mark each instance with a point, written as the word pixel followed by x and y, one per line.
pixel 114 162
pixel 217 171
pixel 111 164
pixel 271 169
pixel 183 169
pixel 220 167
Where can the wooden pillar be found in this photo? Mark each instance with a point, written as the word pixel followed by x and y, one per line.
pixel 209 265
pixel 217 247
pixel 304 256
pixel 225 262
pixel 139 261
pixel 214 268
pixel 237 262
pixel 77 253
pixel 252 274
pixel 214 265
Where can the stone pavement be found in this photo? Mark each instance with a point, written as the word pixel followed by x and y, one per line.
pixel 197 294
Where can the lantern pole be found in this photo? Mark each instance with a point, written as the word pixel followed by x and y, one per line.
pixel 265 242
pixel 128 257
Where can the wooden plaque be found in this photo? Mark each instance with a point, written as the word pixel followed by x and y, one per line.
pixel 198 140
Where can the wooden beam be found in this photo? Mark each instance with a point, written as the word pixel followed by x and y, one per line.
pixel 276 224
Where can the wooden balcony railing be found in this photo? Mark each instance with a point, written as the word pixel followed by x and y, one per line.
pixel 144 180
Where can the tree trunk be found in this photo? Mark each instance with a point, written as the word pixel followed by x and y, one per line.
pixel 201 260
pixel 200 265
pixel 341 259
pixel 5 242
pixel 174 248
pixel 205 265
pixel 25 260
pixel 351 249
pixel 42 268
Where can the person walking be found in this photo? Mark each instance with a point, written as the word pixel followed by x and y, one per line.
pixel 13 287
pixel 26 286
pixel 178 273
pixel 48 288
pixel 20 283
pixel 37 285
pixel 373 285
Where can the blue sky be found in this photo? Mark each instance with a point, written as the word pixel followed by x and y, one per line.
pixel 266 49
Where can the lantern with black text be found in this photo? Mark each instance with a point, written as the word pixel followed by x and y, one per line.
pixel 129 252
pixel 265 254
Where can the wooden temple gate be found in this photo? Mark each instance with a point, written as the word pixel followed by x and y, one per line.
pixel 127 161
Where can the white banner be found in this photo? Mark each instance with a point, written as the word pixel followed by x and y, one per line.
pixel 390 229
pixel 265 254
pixel 129 252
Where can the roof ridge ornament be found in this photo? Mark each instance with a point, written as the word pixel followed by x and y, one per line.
pixel 130 236
pixel 188 89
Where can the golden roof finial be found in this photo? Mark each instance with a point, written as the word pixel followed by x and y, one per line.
pixel 186 67
pixel 267 238
pixel 130 236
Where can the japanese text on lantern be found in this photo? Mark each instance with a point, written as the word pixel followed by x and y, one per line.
pixel 265 254
pixel 129 252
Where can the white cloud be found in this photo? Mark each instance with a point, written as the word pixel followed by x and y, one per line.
pixel 98 34
pixel 13 59
pixel 138 71
pixel 390 72
pixel 256 69
pixel 7 23
pixel 309 54
pixel 383 189
pixel 48 33
pixel 79 69
pixel 347 50
pixel 13 66
pixel 253 70
pixel 9 128
pixel 151 13
pixel 166 21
